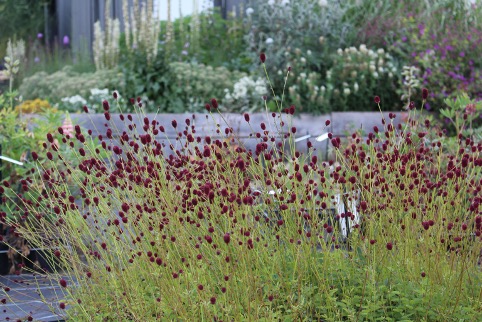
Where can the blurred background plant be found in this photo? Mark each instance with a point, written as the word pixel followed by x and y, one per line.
pixel 194 84
pixel 356 74
pixel 246 95
pixel 19 20
pixel 67 82
pixel 106 42
pixel 449 63
pixel 329 45
pixel 33 106
pixel 275 27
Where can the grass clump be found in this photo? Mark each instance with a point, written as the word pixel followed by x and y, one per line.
pixel 181 226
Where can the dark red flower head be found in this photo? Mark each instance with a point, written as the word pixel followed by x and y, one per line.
pixel 106 106
pixel 424 93
pixel 63 282
pixel 214 103
pixel 377 99
pixel 227 238
pixel 262 57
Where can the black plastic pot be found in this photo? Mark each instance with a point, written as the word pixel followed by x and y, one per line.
pixel 4 265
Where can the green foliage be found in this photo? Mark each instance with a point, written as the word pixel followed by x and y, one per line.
pixel 447 58
pixel 195 84
pixel 210 40
pixel 375 20
pixel 42 57
pixel 295 25
pixel 67 82
pixel 357 75
pixel 150 81
pixel 20 19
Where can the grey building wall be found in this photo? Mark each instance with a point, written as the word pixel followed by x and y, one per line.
pixel 229 5
pixel 76 18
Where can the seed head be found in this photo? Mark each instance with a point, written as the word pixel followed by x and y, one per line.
pixel 105 104
pixel 227 238
pixel 214 103
pixel 63 282
pixel 424 93
pixel 262 57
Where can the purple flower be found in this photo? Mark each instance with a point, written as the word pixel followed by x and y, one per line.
pixel 184 52
pixel 449 48
pixel 427 106
pixel 40 35
pixel 404 38
pixel 421 29
pixel 66 40
pixel 36 59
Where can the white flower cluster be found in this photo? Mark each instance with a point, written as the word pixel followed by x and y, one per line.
pixel 94 101
pixel 282 2
pixel 106 47
pixel 247 92
pixel 142 27
pixel 74 100
pixel 410 82
pixel 15 54
pixel 106 44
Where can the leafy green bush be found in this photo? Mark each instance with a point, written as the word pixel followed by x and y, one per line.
pixel 152 81
pixel 195 84
pixel 67 82
pixel 278 26
pixel 357 74
pixel 20 19
pixel 94 101
pixel 209 39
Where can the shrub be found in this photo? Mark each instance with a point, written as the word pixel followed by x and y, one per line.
pixel 448 61
pixel 246 95
pixel 67 82
pixel 150 81
pixel 33 106
pixel 22 140
pixel 356 74
pixel 194 83
pixel 177 229
pixel 275 26
pixel 207 38
pixel 94 101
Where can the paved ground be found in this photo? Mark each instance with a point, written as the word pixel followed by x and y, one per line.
pixel 25 299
